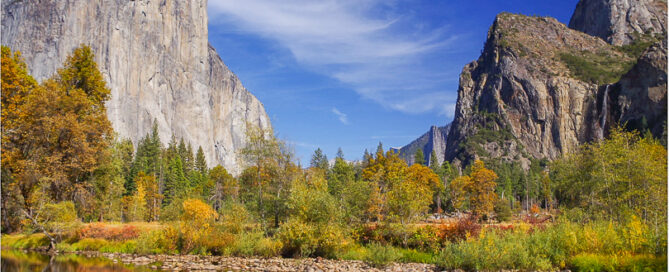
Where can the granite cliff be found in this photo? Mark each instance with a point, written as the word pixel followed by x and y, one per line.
pixel 433 140
pixel 620 22
pixel 157 61
pixel 540 89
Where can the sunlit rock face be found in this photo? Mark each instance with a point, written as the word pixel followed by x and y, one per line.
pixel 157 61
pixel 432 141
pixel 619 21
pixel 522 99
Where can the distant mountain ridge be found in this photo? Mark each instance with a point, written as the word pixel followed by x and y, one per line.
pixel 433 140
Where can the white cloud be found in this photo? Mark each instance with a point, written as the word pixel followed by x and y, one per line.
pixel 341 116
pixel 361 43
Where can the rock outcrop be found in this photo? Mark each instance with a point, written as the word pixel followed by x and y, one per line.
pixel 620 22
pixel 540 89
pixel 640 97
pixel 433 140
pixel 534 92
pixel 157 61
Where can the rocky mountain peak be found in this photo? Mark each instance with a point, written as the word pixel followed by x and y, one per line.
pixel 538 90
pixel 433 140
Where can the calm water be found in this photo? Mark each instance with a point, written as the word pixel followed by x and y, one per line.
pixel 13 261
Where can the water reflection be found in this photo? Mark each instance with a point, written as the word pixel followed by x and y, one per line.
pixel 15 261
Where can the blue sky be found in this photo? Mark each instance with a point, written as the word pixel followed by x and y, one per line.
pixel 354 73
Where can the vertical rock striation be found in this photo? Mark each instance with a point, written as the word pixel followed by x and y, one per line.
pixel 521 100
pixel 433 140
pixel 157 61
pixel 619 21
pixel 540 89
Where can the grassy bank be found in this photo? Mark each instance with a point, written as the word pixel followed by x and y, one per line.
pixel 598 246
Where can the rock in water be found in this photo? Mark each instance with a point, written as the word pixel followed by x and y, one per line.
pixel 157 61
pixel 617 21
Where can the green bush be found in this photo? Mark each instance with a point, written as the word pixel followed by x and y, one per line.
pixel 415 256
pixel 502 210
pixel 255 243
pixel 596 68
pixel 380 255
pixel 93 244
pixel 302 239
pixel 21 241
pixel 157 242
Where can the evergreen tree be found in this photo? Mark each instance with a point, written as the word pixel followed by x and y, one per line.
pixel 419 157
pixel 176 184
pixel 340 154
pixel 319 160
pixel 189 165
pixel 201 162
pixel 366 158
pixel 434 162
pixel 379 150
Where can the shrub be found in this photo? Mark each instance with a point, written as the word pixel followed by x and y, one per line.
pixel 103 231
pixel 302 239
pixel 502 210
pixel 426 239
pixel 92 244
pixel 157 241
pixel 460 230
pixel 415 256
pixel 196 224
pixel 380 255
pixel 255 243
pixel 596 68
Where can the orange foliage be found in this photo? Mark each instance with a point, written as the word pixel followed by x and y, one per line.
pixel 103 231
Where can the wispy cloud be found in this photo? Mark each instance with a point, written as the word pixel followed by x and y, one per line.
pixel 361 43
pixel 341 116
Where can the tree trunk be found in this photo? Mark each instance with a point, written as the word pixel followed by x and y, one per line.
pixel 52 240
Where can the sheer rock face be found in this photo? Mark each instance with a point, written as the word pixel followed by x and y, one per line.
pixel 156 60
pixel 641 95
pixel 519 100
pixel 433 140
pixel 531 94
pixel 616 21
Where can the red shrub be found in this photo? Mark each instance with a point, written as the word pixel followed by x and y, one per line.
pixel 112 233
pixel 460 230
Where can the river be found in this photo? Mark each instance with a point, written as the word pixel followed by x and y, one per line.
pixel 20 261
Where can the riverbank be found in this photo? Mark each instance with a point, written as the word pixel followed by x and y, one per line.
pixel 220 263
pixel 551 247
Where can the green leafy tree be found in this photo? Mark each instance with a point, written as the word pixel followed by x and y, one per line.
pixel 615 178
pixel 109 178
pixel 225 187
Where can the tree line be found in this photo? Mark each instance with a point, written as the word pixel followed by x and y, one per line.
pixel 61 154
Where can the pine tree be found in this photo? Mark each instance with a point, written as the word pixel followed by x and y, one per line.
pixel 340 154
pixel 434 162
pixel 176 184
pixel 419 157
pixel 201 162
pixel 189 163
pixel 319 160
pixel 379 150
